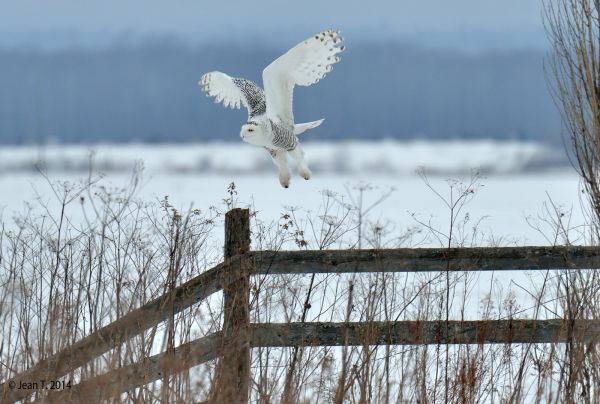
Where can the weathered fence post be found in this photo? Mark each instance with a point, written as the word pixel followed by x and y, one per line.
pixel 233 371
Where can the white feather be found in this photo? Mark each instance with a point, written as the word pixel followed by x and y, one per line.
pixel 303 65
pixel 222 88
pixel 303 127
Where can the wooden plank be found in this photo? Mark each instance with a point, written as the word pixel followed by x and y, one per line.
pixel 425 260
pixel 204 349
pixel 133 323
pixel 421 332
pixel 232 384
pixel 129 377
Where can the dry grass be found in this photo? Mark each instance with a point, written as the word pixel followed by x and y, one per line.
pixel 63 279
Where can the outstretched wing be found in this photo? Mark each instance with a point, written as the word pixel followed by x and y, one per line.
pixel 233 91
pixel 303 65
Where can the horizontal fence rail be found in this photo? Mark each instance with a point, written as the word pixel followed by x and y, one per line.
pixel 309 262
pixel 425 260
pixel 332 334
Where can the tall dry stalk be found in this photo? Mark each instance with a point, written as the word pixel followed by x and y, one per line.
pixel 573 27
pixel 144 250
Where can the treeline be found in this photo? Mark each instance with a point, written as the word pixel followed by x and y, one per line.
pixel 148 92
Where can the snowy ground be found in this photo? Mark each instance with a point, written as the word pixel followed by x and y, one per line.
pixel 508 204
pixel 348 157
pixel 518 178
pixel 518 183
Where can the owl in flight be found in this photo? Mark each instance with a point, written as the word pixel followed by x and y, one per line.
pixel 270 115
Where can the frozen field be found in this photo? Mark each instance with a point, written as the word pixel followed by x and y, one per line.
pixel 516 187
pixel 510 200
pixel 347 157
pixel 517 179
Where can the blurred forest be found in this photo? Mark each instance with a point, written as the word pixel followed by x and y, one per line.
pixel 146 91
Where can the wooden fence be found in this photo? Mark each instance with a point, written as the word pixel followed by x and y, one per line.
pixel 232 345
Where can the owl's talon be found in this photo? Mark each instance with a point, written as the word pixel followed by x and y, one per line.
pixel 305 173
pixel 284 178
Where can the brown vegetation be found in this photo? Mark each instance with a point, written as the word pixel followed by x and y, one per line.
pixel 316 336
pixel 127 264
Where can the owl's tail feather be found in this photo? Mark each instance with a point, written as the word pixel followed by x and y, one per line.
pixel 303 127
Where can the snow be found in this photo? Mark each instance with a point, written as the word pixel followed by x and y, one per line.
pixel 351 157
pixel 518 178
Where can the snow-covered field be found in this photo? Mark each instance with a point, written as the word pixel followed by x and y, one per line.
pixel 512 201
pixel 385 157
pixel 517 179
pixel 519 184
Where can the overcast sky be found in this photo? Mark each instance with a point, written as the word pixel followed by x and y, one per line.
pixel 457 23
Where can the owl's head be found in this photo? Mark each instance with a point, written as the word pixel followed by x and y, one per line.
pixel 253 132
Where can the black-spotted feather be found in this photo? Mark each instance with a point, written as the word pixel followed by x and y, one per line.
pixel 233 91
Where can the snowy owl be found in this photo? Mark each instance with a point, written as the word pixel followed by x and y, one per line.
pixel 270 115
